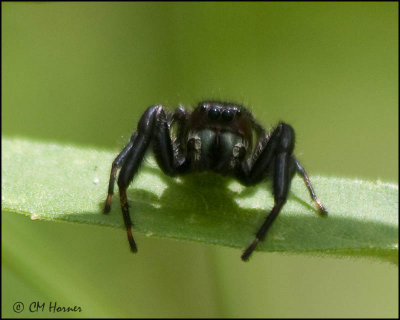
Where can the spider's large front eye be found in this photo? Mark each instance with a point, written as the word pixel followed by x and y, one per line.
pixel 227 115
pixel 213 114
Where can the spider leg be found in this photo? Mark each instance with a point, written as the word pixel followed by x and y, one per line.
pixel 117 163
pixel 132 160
pixel 307 181
pixel 276 156
pixel 153 127
pixel 169 154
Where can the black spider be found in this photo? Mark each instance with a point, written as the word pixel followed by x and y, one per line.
pixel 216 136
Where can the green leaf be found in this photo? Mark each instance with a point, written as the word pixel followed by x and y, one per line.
pixel 51 181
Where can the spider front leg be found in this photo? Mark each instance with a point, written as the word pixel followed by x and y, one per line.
pixel 276 156
pixel 169 154
pixel 129 160
pixel 152 126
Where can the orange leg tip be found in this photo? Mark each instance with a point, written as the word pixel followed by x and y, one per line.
pixel 320 207
pixel 107 206
pixel 132 243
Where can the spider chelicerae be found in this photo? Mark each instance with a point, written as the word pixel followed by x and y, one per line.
pixel 216 136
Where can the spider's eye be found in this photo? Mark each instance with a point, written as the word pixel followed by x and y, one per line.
pixel 238 112
pixel 213 113
pixel 203 107
pixel 227 115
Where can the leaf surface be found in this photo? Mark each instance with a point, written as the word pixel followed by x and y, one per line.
pixel 51 181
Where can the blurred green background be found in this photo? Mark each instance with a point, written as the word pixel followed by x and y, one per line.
pixel 83 73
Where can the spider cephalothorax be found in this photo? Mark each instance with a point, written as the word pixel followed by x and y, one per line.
pixel 216 136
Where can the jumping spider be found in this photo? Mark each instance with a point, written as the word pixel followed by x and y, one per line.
pixel 216 136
